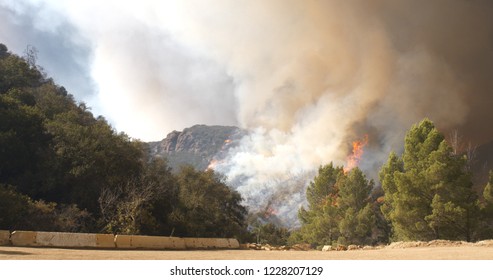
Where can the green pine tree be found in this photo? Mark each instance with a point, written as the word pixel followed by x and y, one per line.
pixel 320 222
pixel 339 208
pixel 357 218
pixel 428 192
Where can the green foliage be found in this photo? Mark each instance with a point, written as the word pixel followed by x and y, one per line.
pixel 192 203
pixel 165 199
pixel 323 186
pixel 19 212
pixel 73 172
pixel 428 192
pixel 340 210
pixel 207 206
pixel 320 221
pixel 357 217
pixel 23 139
pixel 488 190
pixel 16 73
pixel 57 151
pixel 269 233
pixel 90 156
pixel 487 210
pixel 13 207
pixel 389 186
pixel 140 205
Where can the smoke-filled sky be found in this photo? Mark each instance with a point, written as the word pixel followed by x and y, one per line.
pixel 306 77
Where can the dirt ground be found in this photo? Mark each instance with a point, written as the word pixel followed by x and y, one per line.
pixel 397 251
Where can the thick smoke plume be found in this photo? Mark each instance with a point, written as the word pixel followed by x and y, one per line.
pixel 305 77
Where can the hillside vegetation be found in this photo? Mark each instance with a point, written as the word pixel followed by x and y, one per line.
pixel 63 169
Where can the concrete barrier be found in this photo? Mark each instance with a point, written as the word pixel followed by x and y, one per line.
pixel 222 243
pixel 208 243
pixel 149 242
pixel 192 243
pixel 198 243
pixel 4 237
pixel 233 243
pixel 211 243
pixel 65 239
pixel 62 239
pixel 93 240
pixel 23 238
pixel 123 241
pixel 105 241
pixel 178 243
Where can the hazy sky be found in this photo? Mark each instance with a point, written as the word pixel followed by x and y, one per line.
pixel 307 77
pixel 154 66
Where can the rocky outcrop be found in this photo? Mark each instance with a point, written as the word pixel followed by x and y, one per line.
pixel 197 145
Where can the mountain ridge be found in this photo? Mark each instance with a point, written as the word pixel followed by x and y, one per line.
pixel 197 146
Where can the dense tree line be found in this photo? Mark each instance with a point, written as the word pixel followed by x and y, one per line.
pixel 61 168
pixel 424 194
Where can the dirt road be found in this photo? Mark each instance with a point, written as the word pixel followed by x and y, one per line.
pixel 415 253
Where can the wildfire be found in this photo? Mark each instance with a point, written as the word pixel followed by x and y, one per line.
pixel 269 212
pixel 355 157
pixel 227 141
pixel 212 164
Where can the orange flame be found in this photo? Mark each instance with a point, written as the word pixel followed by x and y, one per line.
pixel 269 212
pixel 212 164
pixel 355 157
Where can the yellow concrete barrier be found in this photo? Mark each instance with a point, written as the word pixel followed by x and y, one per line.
pixel 191 243
pixel 62 239
pixel 222 243
pixel 105 241
pixel 23 238
pixel 196 243
pixel 4 237
pixel 233 243
pixel 178 243
pixel 152 242
pixel 149 242
pixel 123 241
pixel 158 242
pixel 208 243
pixel 211 243
pixel 93 240
pixel 65 239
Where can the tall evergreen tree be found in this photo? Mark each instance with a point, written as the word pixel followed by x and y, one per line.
pixel 357 217
pixel 339 208
pixel 389 186
pixel 428 193
pixel 320 222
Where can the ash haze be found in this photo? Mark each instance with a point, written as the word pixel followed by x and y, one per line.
pixel 305 77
